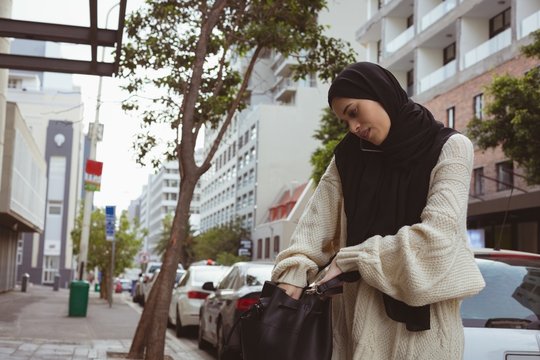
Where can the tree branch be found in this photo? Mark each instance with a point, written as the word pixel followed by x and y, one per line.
pixel 232 109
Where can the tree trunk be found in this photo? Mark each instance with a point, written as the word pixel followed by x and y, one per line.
pixel 149 339
pixel 104 287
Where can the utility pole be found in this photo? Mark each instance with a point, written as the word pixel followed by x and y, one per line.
pixel 89 195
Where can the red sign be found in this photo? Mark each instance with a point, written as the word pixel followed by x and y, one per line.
pixel 92 175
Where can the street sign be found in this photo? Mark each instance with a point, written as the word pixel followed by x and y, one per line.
pixel 110 221
pixel 92 175
pixel 144 257
pixel 245 248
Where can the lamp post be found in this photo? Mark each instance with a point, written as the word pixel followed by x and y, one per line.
pixel 89 195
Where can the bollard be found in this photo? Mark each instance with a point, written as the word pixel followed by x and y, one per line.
pixel 56 285
pixel 24 282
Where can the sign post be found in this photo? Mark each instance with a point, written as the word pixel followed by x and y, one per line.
pixel 110 222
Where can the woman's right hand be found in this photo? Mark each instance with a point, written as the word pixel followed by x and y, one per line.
pixel 293 291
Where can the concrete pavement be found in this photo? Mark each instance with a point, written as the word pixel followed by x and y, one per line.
pixel 34 325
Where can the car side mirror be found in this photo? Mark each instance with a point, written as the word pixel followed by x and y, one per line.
pixel 209 286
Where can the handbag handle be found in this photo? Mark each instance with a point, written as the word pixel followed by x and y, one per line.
pixel 333 286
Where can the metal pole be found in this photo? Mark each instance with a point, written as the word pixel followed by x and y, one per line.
pixel 111 281
pixel 89 195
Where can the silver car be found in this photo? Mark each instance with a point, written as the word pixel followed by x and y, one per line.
pixel 502 321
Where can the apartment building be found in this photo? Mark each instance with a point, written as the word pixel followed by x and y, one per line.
pixel 444 53
pixel 268 145
pixel 159 197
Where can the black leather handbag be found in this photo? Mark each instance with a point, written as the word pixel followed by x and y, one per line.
pixel 280 327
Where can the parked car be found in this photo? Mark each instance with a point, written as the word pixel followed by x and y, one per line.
pixel 122 284
pixel 188 296
pixel 147 287
pixel 144 278
pixel 237 291
pixel 143 285
pixel 502 321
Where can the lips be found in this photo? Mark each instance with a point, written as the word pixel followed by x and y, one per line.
pixel 364 134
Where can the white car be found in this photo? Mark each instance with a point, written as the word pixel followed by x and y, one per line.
pixel 147 286
pixel 188 296
pixel 502 321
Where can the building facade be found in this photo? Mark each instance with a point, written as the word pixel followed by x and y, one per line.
pixel 444 53
pixel 52 108
pixel 269 144
pixel 159 197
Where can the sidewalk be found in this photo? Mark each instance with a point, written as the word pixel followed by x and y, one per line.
pixel 35 325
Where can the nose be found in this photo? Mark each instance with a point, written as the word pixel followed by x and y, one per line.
pixel 354 127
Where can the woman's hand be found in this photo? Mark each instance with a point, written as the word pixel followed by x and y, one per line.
pixel 333 271
pixel 293 291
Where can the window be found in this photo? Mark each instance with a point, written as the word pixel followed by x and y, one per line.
pixel 267 248
pixel 410 82
pixel 55 208
pixel 478 181
pixel 499 23
pixel 449 53
pixel 410 21
pixel 478 101
pixel 14 83
pixel 505 175
pixel 451 117
pixel 276 245
pixel 259 249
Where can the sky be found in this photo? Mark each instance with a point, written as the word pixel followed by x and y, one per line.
pixel 122 179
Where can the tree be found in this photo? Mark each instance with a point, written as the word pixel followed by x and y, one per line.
pixel 161 246
pixel 514 117
pixel 221 243
pixel 330 132
pixel 128 238
pixel 184 51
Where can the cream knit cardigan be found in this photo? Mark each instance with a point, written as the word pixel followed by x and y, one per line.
pixel 426 263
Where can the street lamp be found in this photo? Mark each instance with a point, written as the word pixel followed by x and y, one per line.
pixel 89 195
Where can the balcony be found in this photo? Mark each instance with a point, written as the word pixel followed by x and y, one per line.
pixel 400 40
pixel 436 13
pixel 530 24
pixel 24 177
pixel 284 89
pixel 488 48
pixel 438 76
pixel 282 65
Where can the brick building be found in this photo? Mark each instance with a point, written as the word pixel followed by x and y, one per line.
pixel 444 53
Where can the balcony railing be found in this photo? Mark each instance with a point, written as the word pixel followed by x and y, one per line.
pixel 488 48
pixel 284 87
pixel 530 24
pixel 436 13
pixel 438 76
pixel 400 40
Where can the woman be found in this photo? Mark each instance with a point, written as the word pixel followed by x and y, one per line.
pixel 392 205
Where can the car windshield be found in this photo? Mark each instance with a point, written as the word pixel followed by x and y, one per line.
pixel 257 275
pixel 511 298
pixel 205 274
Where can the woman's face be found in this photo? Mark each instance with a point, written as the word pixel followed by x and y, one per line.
pixel 366 119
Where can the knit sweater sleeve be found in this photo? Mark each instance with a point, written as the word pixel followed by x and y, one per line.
pixel 313 242
pixel 429 261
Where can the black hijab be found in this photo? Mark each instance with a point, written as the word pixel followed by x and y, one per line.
pixel 385 187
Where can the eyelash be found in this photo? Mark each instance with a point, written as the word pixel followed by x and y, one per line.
pixel 353 112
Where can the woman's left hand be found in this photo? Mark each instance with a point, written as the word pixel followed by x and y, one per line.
pixel 333 271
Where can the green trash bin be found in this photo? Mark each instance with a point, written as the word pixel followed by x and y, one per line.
pixel 78 298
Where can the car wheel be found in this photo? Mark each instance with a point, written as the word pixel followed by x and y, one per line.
pixel 222 352
pixel 203 344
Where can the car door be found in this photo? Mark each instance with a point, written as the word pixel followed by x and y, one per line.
pixel 215 302
pixel 175 296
